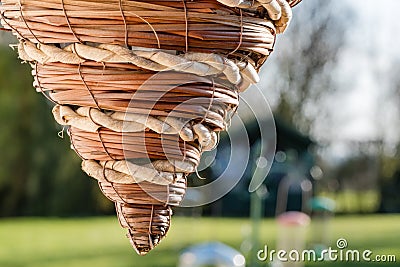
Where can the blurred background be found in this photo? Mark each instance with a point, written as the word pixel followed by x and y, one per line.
pixel 334 88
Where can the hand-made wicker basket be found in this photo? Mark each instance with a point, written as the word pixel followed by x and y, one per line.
pixel 144 87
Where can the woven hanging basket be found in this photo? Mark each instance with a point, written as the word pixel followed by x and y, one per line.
pixel 144 87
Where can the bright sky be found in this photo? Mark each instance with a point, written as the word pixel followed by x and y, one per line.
pixel 361 109
pixel 375 43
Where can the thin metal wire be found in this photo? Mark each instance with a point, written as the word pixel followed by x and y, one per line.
pixel 125 23
pixel 150 227
pixel 69 23
pixel 73 144
pixel 41 88
pixel 87 87
pixel 9 25
pixel 104 146
pixel 240 33
pixel 26 23
pixel 186 27
pixel 211 102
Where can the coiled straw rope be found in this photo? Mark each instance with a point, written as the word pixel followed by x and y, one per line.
pixel 144 87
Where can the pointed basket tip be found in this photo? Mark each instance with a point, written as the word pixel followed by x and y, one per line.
pixel 142 248
pixel 147 224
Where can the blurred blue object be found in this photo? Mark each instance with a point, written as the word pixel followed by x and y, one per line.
pixel 211 254
pixel 320 204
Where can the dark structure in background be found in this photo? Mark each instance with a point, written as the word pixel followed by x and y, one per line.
pixel 390 202
pixel 294 158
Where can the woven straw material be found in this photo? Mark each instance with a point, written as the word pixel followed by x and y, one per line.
pixel 170 194
pixel 109 145
pixel 144 87
pixel 80 85
pixel 213 27
pixel 146 224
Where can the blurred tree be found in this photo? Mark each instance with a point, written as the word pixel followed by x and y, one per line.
pixel 358 176
pixel 39 174
pixel 390 171
pixel 305 62
pixel 301 72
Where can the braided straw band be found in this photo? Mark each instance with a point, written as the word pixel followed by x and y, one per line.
pixel 91 120
pixel 150 59
pixel 145 193
pixel 126 172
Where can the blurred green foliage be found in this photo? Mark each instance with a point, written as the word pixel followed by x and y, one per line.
pixel 39 173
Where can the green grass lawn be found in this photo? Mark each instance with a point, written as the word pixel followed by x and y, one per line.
pixel 100 242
